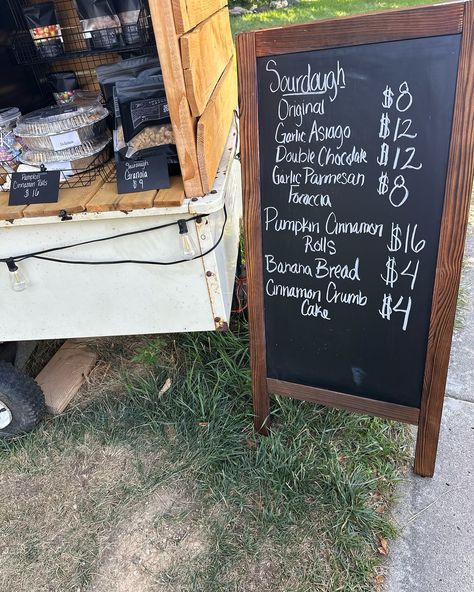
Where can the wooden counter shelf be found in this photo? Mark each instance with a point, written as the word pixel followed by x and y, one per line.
pixel 97 197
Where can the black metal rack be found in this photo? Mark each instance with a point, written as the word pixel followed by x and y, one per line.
pixel 81 51
pixel 101 167
pixel 79 44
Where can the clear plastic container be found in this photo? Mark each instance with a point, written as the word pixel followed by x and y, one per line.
pixel 76 159
pixel 60 118
pixel 9 150
pixel 63 126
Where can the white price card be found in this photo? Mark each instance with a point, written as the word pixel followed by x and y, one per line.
pixel 67 140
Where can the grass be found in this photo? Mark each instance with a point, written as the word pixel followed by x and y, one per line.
pixel 301 510
pixel 307 10
pixel 155 480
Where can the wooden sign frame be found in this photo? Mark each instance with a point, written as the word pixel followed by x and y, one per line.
pixel 396 25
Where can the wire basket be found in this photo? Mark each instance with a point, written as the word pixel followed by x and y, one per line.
pixel 74 41
pixel 80 51
pixel 102 167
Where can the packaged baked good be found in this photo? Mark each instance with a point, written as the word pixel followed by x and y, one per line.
pixel 142 104
pixel 129 12
pixel 63 85
pixel 99 23
pixel 145 120
pixel 123 70
pixel 71 160
pixel 44 29
pixel 60 127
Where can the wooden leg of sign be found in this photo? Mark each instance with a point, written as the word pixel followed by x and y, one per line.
pixel 253 226
pixel 261 409
pixel 427 444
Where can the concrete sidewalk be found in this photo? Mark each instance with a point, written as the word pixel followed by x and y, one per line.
pixel 435 552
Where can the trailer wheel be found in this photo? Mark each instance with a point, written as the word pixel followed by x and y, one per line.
pixel 21 402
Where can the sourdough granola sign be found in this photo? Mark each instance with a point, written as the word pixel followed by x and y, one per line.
pixel 350 204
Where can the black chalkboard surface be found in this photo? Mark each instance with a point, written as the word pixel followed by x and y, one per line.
pixel 354 145
pixel 357 171
pixel 34 188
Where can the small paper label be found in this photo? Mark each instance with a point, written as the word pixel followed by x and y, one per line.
pixel 67 140
pixel 63 166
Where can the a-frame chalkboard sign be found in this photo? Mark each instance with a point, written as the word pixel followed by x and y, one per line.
pixel 357 146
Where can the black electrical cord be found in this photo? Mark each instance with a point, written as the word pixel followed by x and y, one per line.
pixel 11 261
pixel 40 254
pixel 98 240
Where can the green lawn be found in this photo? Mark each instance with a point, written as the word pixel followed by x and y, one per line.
pixel 308 10
pixel 156 482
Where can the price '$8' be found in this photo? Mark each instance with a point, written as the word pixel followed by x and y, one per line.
pixel 395 155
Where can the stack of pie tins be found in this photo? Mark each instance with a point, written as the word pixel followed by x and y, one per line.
pixel 69 137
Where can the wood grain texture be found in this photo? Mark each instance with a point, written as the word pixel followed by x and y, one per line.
pixel 184 125
pixel 374 27
pixel 206 51
pixel 106 199
pixel 214 125
pixel 450 253
pixel 189 13
pixel 249 153
pixel 172 196
pixel 64 374
pixel 9 212
pixel 344 401
pixel 137 201
pixel 71 201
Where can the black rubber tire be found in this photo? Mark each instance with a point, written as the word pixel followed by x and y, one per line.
pixel 8 351
pixel 25 399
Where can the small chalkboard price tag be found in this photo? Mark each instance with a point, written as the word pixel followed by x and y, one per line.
pixel 150 172
pixel 34 188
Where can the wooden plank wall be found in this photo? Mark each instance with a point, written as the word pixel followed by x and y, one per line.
pixel 196 51
pixel 206 51
pixel 189 13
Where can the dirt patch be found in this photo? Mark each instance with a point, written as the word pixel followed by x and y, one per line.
pixel 155 538
pixel 55 507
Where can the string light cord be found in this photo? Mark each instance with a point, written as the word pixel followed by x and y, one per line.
pixel 98 240
pixel 41 255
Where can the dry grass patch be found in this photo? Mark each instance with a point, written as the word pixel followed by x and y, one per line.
pixel 57 505
pixel 156 536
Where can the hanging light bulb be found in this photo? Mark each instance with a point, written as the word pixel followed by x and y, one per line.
pixel 18 280
pixel 189 250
